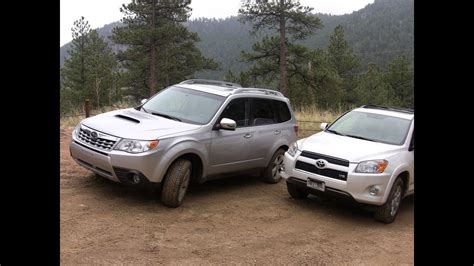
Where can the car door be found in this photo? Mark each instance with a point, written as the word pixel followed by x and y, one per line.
pixel 263 120
pixel 230 148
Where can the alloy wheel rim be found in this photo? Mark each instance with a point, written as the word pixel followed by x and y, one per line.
pixel 277 166
pixel 184 186
pixel 396 201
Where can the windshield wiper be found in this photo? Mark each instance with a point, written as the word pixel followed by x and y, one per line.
pixel 144 109
pixel 335 132
pixel 166 116
pixel 359 137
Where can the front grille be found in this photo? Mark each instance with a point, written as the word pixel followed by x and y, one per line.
pixel 102 141
pixel 336 174
pixel 330 159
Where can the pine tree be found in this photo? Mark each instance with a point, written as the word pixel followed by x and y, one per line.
pixel 400 77
pixel 101 65
pixel 372 88
pixel 285 16
pixel 89 71
pixel 344 62
pixel 74 71
pixel 161 50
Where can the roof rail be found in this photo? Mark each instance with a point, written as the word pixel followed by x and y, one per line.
pixel 265 91
pixel 211 82
pixel 398 109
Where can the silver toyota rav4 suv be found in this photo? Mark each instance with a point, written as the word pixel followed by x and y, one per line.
pixel 196 130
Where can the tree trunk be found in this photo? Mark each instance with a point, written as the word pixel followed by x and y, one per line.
pixel 152 77
pixel 283 81
pixel 97 91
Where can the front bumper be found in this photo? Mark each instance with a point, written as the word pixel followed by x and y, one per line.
pixel 117 166
pixel 355 187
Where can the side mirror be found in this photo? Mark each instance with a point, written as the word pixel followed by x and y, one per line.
pixel 227 124
pixel 323 126
pixel 143 101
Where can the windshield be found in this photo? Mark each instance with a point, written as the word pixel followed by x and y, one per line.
pixel 372 127
pixel 185 105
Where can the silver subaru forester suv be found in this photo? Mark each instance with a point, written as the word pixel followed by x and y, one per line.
pixel 196 130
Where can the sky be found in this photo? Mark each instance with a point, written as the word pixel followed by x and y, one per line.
pixel 101 12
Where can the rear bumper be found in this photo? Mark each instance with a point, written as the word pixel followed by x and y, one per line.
pixel 106 165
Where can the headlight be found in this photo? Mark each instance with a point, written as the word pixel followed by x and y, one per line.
pixel 372 166
pixel 136 146
pixel 75 132
pixel 293 149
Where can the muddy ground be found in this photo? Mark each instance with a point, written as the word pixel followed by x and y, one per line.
pixel 231 221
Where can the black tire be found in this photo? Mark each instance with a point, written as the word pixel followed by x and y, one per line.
pixel 176 183
pixel 271 174
pixel 295 192
pixel 385 213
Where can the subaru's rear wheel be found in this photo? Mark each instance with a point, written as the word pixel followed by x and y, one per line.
pixel 387 212
pixel 272 173
pixel 176 183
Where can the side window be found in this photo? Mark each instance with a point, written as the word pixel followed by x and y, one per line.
pixel 235 110
pixel 282 111
pixel 261 112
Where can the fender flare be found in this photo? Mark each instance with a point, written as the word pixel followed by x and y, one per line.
pixel 400 169
pixel 188 146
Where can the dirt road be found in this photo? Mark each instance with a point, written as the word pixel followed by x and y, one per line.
pixel 230 221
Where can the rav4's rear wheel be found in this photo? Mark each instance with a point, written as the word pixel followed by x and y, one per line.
pixel 272 173
pixel 176 183
pixel 387 212
pixel 295 192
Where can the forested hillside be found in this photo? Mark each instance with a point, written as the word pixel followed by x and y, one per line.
pixel 377 34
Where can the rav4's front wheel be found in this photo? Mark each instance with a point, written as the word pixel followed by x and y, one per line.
pixel 176 183
pixel 387 212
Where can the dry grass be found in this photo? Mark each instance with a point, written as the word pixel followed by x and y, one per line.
pixel 77 115
pixel 309 118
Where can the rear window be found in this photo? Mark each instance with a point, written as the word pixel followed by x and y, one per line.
pixel 283 113
pixel 261 112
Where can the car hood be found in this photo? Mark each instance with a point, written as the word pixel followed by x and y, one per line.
pixel 352 149
pixel 133 124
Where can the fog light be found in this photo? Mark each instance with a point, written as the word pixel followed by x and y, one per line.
pixel 135 179
pixel 373 190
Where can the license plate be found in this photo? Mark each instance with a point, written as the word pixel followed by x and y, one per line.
pixel 316 184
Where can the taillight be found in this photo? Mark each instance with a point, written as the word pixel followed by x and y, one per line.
pixel 296 129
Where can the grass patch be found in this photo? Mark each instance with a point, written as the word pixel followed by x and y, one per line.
pixel 309 119
pixel 73 118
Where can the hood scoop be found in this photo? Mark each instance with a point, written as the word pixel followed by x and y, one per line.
pixel 128 118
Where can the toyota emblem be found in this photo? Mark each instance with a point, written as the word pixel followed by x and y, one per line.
pixel 320 163
pixel 94 135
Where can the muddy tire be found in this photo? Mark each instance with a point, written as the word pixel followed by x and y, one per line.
pixel 176 183
pixel 387 212
pixel 295 192
pixel 271 174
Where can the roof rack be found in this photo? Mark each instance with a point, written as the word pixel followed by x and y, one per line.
pixel 398 109
pixel 265 91
pixel 211 82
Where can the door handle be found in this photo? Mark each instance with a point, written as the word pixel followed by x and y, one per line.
pixel 248 135
pixel 277 132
